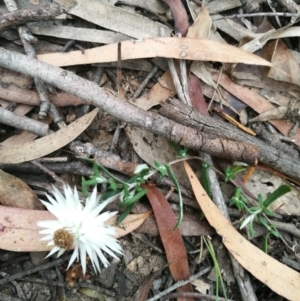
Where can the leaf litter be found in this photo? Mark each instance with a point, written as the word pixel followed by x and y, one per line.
pixel 258 62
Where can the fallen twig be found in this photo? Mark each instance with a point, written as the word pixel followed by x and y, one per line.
pixel 267 154
pixel 150 121
pixel 22 16
pixel 24 123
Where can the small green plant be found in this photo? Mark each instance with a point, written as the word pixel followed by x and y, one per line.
pixel 130 191
pixel 218 273
pixel 239 200
pixel 261 211
pixel 180 150
pixel 231 172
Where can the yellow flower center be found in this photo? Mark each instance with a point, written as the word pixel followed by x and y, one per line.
pixel 63 239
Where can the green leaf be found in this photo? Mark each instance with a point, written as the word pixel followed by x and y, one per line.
pixel 246 221
pixel 177 186
pixel 84 187
pixel 161 168
pixel 275 232
pixel 231 172
pixel 265 243
pixel 95 169
pixel 140 168
pixel 251 231
pixel 205 179
pixel 279 192
pixel 268 212
pixel 181 151
pixel 112 185
pixel 134 198
pixel 124 214
pixel 239 200
pixel 264 222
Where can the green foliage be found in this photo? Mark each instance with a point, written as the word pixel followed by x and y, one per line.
pixel 205 178
pixel 129 192
pixel 239 200
pixel 261 211
pixel 218 273
pixel 231 172
pixel 181 151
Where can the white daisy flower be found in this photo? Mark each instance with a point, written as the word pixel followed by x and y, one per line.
pixel 80 227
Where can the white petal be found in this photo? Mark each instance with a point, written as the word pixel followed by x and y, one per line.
pixel 60 252
pixel 82 252
pixel 102 258
pixel 73 257
pixel 54 250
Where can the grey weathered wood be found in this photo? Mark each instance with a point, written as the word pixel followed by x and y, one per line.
pixel 267 154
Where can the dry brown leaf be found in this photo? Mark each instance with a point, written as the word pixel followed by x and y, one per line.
pixel 46 145
pixel 260 39
pixel 181 19
pixel 171 239
pixel 256 102
pixel 191 225
pixel 201 26
pixel 286 67
pixel 19 231
pixel 196 95
pixel 143 291
pixel 180 48
pixel 113 17
pixel 15 193
pixel 159 92
pixel 280 278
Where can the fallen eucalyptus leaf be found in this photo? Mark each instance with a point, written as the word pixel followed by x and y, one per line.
pixel 48 144
pixel 178 48
pixel 277 276
pixel 19 231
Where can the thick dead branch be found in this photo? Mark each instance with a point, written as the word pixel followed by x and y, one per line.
pixel 22 16
pixel 267 154
pixel 150 121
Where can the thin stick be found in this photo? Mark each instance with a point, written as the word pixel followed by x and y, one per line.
pixel 259 15
pixel 48 171
pixel 35 269
pixel 145 82
pixel 194 295
pixel 180 283
pixel 174 74
pixel 119 71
